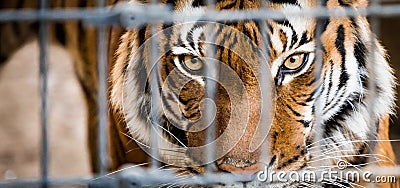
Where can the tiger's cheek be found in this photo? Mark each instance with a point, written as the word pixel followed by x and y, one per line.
pixel 287 141
pixel 292 122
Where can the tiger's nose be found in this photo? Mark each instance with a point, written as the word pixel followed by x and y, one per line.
pixel 242 169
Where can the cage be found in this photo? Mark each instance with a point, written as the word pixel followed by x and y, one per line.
pixel 382 15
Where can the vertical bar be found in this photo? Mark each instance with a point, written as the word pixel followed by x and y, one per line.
pixel 374 22
pixel 43 40
pixel 211 85
pixel 264 79
pixel 319 61
pixel 155 98
pixel 155 94
pixel 101 100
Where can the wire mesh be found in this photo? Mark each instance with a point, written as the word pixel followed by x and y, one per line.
pixel 136 176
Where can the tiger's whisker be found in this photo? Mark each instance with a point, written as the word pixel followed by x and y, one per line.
pixel 169 132
pixel 177 150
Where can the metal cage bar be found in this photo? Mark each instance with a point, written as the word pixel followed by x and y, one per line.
pixel 318 64
pixel 155 94
pixel 43 40
pixel 113 17
pixel 211 73
pixel 102 91
pixel 371 96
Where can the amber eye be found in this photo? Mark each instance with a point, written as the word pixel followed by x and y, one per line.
pixel 294 62
pixel 191 63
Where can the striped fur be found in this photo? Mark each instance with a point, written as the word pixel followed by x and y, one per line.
pixel 353 115
pixel 337 92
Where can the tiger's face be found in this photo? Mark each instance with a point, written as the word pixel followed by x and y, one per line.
pixel 273 96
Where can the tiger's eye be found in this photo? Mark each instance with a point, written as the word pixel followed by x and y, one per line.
pixel 193 63
pixel 294 61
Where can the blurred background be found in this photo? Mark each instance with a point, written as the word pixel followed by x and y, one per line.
pixel 20 109
pixel 20 128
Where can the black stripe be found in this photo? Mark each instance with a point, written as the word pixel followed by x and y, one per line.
pixel 333 105
pixel 312 81
pixel 304 122
pixel 241 4
pixel 195 3
pixel 293 2
pixel 189 36
pixel 294 111
pixel 360 53
pixel 330 127
pixel 286 23
pixel 323 85
pixel 294 38
pixel 304 39
pixel 255 35
pixel 178 133
pixel 297 102
pixel 348 107
pixel 141 35
pixel 229 6
pixel 343 3
pixel 247 32
pixel 311 96
pixel 269 27
pixel 172 3
pixel 330 85
pixel 339 43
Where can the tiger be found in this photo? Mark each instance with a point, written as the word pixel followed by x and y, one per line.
pixel 334 98
pixel 323 107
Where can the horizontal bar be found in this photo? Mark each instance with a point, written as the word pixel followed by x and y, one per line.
pixel 140 14
pixel 146 177
pixel 94 16
pixel 17 183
